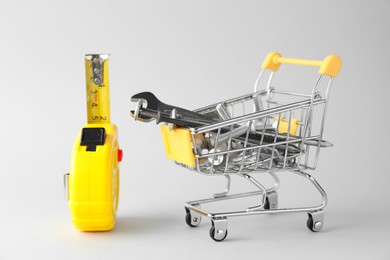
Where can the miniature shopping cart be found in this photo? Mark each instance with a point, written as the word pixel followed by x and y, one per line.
pixel 269 130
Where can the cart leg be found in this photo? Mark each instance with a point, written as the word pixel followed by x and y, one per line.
pixel 276 182
pixel 318 187
pixel 315 220
pixel 271 201
pixel 227 189
pixel 193 218
pixel 259 186
pixel 218 230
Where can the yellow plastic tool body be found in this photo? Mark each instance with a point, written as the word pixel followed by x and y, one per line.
pixel 93 182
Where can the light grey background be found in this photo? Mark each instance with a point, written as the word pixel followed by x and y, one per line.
pixel 190 53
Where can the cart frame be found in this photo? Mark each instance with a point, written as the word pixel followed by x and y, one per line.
pixel 265 138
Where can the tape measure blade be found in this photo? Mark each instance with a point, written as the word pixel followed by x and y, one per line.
pixel 97 88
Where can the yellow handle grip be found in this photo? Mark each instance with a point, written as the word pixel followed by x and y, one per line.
pixel 330 66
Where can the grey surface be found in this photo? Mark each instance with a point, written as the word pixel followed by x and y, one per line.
pixel 190 53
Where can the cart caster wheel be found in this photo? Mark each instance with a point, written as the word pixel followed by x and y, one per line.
pixel 218 230
pixel 266 205
pixel 315 221
pixel 271 201
pixel 216 237
pixel 193 219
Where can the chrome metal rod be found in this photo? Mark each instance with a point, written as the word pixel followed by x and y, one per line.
pixel 231 101
pixel 254 116
pixel 298 140
pixel 263 191
pixel 227 189
pixel 259 211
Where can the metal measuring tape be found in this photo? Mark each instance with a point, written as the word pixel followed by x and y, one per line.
pixel 98 88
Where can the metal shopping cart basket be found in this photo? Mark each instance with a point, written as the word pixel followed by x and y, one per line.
pixel 269 130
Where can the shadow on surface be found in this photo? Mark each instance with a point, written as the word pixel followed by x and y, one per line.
pixel 137 225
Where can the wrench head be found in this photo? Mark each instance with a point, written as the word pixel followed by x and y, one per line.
pixel 149 99
pixel 144 100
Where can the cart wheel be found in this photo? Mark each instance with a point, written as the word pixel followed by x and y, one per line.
pixel 212 235
pixel 218 230
pixel 266 205
pixel 313 225
pixel 192 220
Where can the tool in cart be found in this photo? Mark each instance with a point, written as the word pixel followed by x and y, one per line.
pixel 150 108
pixel 283 133
pixel 92 185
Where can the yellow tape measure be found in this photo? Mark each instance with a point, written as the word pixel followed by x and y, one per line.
pixel 98 88
pixel 92 184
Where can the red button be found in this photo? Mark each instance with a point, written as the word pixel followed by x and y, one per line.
pixel 120 155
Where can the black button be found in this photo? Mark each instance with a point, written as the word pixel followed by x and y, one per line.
pixel 91 137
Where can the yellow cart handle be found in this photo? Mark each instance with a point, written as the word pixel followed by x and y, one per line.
pixel 330 66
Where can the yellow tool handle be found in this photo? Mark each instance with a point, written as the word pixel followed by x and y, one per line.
pixel 98 88
pixel 298 61
pixel 330 66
